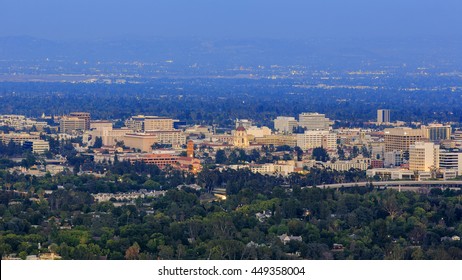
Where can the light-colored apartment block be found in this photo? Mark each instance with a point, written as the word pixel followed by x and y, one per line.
pixel 285 124
pixel 423 156
pixel 317 138
pixel 314 121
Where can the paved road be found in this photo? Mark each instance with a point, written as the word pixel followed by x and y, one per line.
pixel 434 183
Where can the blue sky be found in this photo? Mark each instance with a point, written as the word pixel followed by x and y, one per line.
pixel 289 19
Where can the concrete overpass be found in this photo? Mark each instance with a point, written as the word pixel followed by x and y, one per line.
pixel 433 183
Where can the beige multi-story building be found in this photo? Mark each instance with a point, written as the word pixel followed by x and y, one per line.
pixel 357 163
pixel 314 121
pixel 273 168
pixel 140 141
pixel 400 138
pixel 109 135
pixel 20 122
pixel 37 146
pixel 174 137
pixel 423 156
pixel 436 132
pixel 351 136
pixel 144 141
pixel 149 123
pixel 157 123
pixel 285 124
pixel 458 135
pixel 277 140
pixel 16 121
pixel 135 123
pixel 84 116
pixel 18 138
pixel 222 138
pixel 69 124
pixel 100 124
pixel 317 138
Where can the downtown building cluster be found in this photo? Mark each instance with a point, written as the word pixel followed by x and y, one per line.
pixel 388 151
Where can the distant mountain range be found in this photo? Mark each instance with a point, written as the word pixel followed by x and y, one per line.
pixel 333 52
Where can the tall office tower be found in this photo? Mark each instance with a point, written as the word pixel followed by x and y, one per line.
pixel 317 138
pixel 400 138
pixel 383 116
pixel 313 121
pixel 84 116
pixel 423 156
pixel 69 124
pixel 285 124
pixel 436 132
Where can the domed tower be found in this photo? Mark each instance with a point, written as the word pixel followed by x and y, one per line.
pixel 240 137
pixel 190 149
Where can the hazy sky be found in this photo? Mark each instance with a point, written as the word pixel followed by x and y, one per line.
pixel 295 19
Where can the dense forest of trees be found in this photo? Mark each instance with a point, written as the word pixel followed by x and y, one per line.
pixel 368 223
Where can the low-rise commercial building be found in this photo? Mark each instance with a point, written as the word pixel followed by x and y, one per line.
pixel 18 138
pixel 37 146
pixel 451 160
pixel 314 121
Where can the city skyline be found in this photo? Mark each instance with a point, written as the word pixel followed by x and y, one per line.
pixel 230 130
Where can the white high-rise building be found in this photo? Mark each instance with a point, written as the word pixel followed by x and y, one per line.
pixel 285 124
pixel 313 121
pixel 423 156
